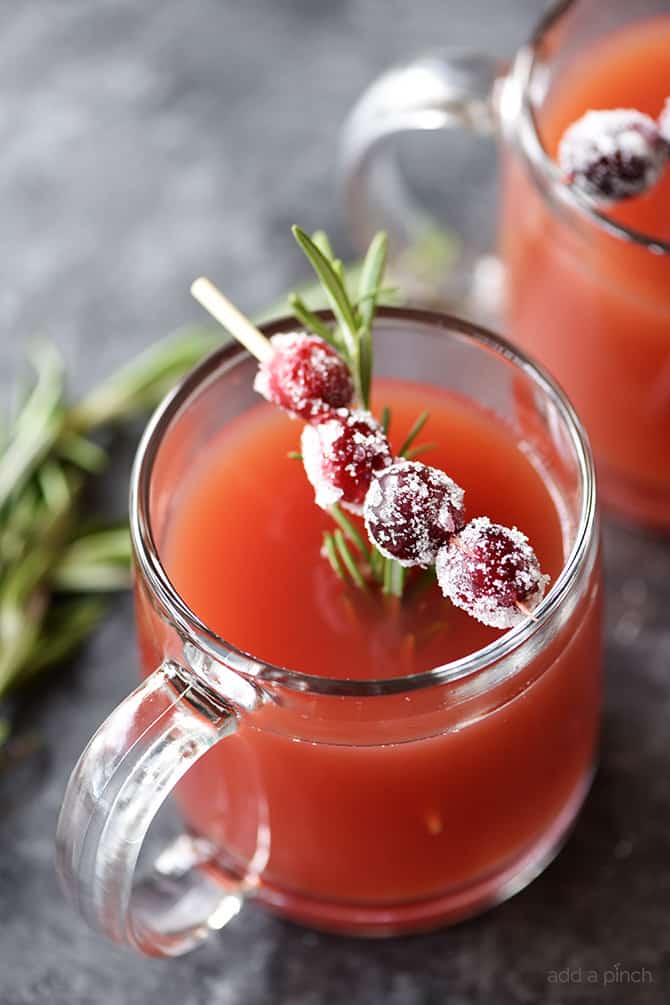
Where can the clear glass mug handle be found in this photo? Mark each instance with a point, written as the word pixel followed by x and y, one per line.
pixel 438 91
pixel 123 777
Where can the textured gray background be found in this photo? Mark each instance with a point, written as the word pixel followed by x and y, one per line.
pixel 143 142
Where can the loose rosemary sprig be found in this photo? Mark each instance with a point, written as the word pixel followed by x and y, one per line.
pixel 54 571
pixel 351 336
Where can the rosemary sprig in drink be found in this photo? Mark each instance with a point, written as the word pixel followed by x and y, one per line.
pixel 352 337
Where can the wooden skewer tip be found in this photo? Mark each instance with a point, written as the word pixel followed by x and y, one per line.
pixel 227 314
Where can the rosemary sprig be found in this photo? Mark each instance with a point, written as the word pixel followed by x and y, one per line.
pixel 311 321
pixel 54 573
pixel 413 433
pixel 409 455
pixel 352 337
pixel 330 552
pixel 350 531
pixel 348 559
pixel 372 273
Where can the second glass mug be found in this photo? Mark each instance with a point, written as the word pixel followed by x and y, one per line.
pixel 589 298
pixel 319 796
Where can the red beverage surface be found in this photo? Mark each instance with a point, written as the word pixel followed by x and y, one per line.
pixel 388 802
pixel 247 527
pixel 595 308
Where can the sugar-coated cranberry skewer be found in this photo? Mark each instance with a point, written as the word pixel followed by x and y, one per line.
pixel 414 513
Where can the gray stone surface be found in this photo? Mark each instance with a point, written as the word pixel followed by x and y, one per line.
pixel 140 144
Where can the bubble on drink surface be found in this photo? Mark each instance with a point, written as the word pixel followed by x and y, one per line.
pixel 340 452
pixel 411 509
pixel 492 573
pixel 304 375
pixel 612 154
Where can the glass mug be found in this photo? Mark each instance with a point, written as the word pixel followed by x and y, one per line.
pixel 588 297
pixel 278 774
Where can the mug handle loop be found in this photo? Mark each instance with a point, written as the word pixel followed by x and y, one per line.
pixel 438 91
pixel 126 772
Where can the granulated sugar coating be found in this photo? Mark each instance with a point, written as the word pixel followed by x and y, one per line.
pixel 411 510
pixel 340 454
pixel 490 571
pixel 613 154
pixel 305 376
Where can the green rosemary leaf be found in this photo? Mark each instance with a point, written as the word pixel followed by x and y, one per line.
pixel 387 573
pixel 399 577
pixel 386 419
pixel 66 626
pixel 377 561
pixel 38 425
pixel 313 296
pixel 413 433
pixel 338 300
pixel 294 455
pixel 348 559
pixel 330 551
pixel 338 269
pixel 54 485
pixel 322 241
pixel 83 452
pixel 421 449
pixel 394 576
pixel 96 577
pixel 369 283
pixel 350 530
pixel 97 562
pixel 16 527
pixel 140 385
pixel 386 293
pixel 365 364
pixel 310 320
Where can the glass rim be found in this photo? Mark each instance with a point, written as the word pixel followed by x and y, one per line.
pixel 192 629
pixel 544 166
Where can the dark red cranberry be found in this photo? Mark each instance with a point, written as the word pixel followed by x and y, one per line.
pixel 341 452
pixel 613 154
pixel 305 376
pixel 491 572
pixel 411 510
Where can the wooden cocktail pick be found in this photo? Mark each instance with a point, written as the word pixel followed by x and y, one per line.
pixel 239 326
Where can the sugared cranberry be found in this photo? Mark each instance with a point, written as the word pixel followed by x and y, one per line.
pixel 411 510
pixel 305 376
pixel 613 154
pixel 491 572
pixel 341 452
